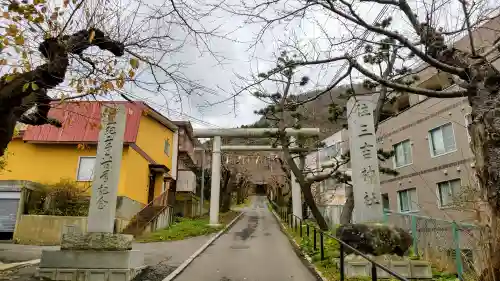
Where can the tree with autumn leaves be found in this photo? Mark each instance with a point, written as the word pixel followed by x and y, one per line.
pixel 86 49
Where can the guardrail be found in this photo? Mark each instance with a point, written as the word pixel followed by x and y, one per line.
pixel 296 224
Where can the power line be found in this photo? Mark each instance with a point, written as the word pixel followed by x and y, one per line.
pixel 357 49
pixel 165 108
pixel 196 85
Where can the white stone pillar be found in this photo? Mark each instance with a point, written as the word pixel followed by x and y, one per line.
pixel 108 161
pixel 215 184
pixel 296 192
pixel 364 161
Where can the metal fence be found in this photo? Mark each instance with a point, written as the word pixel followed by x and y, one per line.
pixel 320 237
pixel 452 247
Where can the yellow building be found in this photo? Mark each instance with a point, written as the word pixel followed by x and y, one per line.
pixel 46 154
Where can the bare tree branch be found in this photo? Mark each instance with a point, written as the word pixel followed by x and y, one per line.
pixel 383 92
pixel 404 88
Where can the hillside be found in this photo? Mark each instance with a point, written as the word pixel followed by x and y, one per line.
pixel 317 116
pixel 315 112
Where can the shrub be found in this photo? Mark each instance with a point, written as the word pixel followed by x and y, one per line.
pixel 63 198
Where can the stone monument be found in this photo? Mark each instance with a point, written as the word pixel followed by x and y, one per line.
pixel 364 161
pixel 99 254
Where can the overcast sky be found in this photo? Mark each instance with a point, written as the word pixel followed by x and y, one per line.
pixel 242 60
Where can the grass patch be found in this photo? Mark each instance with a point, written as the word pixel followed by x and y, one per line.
pixel 184 228
pixel 328 266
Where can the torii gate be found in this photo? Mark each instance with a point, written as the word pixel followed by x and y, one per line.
pixel 216 134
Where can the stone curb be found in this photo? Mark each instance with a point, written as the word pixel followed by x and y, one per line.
pixel 183 266
pixel 305 258
pixel 15 265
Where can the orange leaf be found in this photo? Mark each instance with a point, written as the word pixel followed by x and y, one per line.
pixel 12 30
pixel 19 40
pixel 91 36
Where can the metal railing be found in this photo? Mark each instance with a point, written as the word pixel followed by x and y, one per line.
pixel 142 218
pixel 296 224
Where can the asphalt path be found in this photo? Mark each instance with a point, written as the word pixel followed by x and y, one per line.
pixel 254 249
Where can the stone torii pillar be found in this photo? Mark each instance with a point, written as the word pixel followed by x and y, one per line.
pixel 215 181
pixel 217 147
pixel 295 186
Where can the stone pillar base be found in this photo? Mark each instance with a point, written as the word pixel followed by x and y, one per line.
pixel 61 274
pixel 92 257
pixel 91 265
pixel 98 241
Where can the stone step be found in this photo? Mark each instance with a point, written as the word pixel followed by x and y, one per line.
pixel 140 221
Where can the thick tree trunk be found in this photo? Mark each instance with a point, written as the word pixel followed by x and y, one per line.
pixel 16 99
pixel 485 144
pixel 305 187
pixel 228 190
pixel 346 215
pixel 308 197
pixel 239 194
pixel 482 81
pixel 279 195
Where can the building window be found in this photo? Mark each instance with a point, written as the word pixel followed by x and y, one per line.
pixel 448 191
pixel 166 148
pixel 408 200
pixel 402 156
pixel 385 201
pixel 468 121
pixel 85 168
pixel 442 140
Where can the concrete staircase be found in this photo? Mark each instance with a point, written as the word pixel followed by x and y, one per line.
pixel 142 219
pixel 147 215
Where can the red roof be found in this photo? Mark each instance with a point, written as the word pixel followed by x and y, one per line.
pixel 81 122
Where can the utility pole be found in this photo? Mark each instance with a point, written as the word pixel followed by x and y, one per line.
pixel 202 181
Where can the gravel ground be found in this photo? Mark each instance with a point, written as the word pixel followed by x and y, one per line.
pixel 155 272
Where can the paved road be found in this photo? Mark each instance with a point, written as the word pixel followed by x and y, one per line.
pixel 254 249
pixel 173 251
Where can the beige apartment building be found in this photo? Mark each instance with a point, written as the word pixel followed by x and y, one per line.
pixel 431 144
